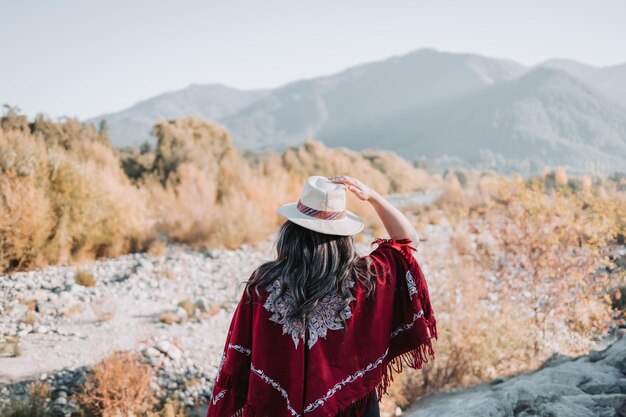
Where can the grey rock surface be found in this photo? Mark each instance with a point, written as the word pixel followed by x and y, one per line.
pixel 590 385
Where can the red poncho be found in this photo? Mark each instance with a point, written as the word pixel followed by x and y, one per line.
pixel 274 368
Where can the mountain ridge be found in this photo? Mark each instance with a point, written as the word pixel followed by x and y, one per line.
pixel 578 110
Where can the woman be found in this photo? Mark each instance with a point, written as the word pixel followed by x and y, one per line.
pixel 319 330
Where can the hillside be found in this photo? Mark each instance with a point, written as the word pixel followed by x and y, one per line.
pixel 132 126
pixel 483 111
pixel 319 106
pixel 611 80
pixel 331 106
pixel 545 117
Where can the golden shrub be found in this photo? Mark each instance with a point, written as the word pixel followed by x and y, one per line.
pixel 26 221
pixel 65 196
pixel 520 279
pixel 118 386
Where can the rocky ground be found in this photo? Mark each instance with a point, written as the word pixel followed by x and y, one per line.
pixel 52 328
pixel 174 309
pixel 590 385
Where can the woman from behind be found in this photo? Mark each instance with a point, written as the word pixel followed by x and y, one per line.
pixel 319 330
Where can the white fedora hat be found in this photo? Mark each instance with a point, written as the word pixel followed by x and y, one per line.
pixel 322 207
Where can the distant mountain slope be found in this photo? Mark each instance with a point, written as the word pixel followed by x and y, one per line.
pixel 271 119
pixel 426 103
pixel 132 126
pixel 546 117
pixel 611 80
pixel 340 103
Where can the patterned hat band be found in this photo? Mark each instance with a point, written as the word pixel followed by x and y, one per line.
pixel 320 214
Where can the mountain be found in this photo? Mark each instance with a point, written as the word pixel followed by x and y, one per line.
pixel 319 106
pixel 611 80
pixel 337 104
pixel 545 117
pixel 132 126
pixel 483 111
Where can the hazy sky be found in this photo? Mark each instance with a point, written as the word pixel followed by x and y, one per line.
pixel 82 58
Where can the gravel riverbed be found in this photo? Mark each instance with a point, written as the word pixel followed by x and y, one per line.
pixel 53 329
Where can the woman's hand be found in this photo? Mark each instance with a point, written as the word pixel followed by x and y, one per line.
pixel 395 222
pixel 359 189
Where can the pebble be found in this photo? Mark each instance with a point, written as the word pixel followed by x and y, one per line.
pixel 41 329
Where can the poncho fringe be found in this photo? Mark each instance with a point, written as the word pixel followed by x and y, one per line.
pixel 413 359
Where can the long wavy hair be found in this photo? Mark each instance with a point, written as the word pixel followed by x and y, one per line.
pixel 313 265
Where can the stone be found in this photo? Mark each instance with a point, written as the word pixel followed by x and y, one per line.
pixel 152 352
pixel 41 329
pixel 61 400
pixel 181 312
pixel 175 353
pixel 155 361
pixel 163 346
pixel 201 305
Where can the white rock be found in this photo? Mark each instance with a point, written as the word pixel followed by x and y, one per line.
pixel 152 352
pixel 41 329
pixel 174 353
pixel 163 346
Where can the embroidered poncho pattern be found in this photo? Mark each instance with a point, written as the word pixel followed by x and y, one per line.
pixel 326 315
pixel 329 363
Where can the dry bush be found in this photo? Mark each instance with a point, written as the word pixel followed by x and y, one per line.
pixel 545 250
pixel 402 176
pixel 171 408
pixel 33 404
pixel 207 194
pixel 26 220
pixel 84 278
pixel 314 158
pixel 10 347
pixel 63 196
pixel 384 171
pixel 522 276
pixel 99 212
pixel 203 188
pixel 184 207
pixel 119 386
pixel 67 196
pixel 157 247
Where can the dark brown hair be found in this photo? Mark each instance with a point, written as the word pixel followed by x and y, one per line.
pixel 312 265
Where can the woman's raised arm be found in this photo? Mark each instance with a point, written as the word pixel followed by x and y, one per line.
pixel 395 222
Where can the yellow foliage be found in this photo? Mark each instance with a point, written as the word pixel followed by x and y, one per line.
pixel 118 386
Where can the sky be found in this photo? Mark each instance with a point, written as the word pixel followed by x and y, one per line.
pixel 78 58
